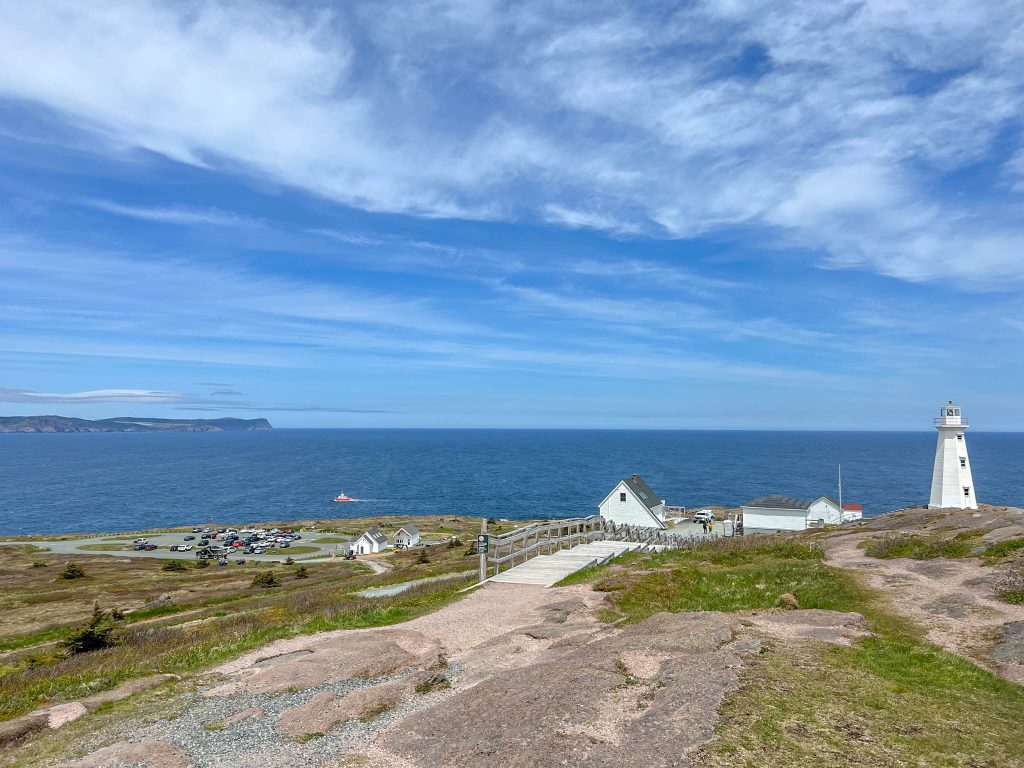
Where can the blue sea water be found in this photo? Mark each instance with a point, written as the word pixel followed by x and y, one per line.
pixel 123 481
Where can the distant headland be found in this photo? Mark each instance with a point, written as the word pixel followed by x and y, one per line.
pixel 129 424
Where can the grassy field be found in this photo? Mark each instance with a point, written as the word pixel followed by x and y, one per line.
pixel 184 621
pixel 892 699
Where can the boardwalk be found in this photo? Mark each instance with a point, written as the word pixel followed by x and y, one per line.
pixel 546 570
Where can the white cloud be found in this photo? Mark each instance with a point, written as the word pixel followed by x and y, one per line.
pixel 585 115
pixel 175 214
pixel 9 395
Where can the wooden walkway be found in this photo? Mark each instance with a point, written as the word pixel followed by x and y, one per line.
pixel 546 570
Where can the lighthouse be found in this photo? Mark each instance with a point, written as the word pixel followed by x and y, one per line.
pixel 952 486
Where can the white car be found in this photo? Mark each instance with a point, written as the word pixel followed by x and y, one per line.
pixel 181 548
pixel 705 515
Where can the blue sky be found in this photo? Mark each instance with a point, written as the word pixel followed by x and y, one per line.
pixel 684 215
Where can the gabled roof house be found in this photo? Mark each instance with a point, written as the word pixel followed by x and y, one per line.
pixel 633 502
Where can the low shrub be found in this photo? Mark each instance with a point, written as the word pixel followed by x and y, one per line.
pixel 202 564
pixel 38 564
pixel 917 547
pixel 454 542
pixel 289 561
pixel 174 566
pixel 1003 550
pixel 423 558
pixel 302 572
pixel 434 683
pixel 96 634
pixel 73 571
pixel 266 579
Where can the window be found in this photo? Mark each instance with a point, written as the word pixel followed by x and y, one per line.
pixel 963 461
pixel 959 435
pixel 967 490
pixel 622 496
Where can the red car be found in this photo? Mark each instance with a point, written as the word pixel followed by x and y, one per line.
pixel 151 547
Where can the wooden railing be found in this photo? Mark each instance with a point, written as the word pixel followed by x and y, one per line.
pixel 519 545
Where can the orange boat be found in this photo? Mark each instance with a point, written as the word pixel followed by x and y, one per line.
pixel 342 497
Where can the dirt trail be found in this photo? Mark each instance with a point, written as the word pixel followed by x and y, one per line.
pixel 953 599
pixel 510 675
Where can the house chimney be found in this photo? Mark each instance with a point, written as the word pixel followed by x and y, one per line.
pixel 635 477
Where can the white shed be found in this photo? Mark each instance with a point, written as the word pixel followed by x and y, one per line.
pixel 370 542
pixel 407 536
pixel 771 514
pixel 632 502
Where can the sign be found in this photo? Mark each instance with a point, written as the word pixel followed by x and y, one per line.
pixel 482 540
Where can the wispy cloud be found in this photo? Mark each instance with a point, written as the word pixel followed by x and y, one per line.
pixel 176 215
pixel 843 128
pixel 180 401
pixel 9 395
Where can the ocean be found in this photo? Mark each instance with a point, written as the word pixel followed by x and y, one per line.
pixel 58 483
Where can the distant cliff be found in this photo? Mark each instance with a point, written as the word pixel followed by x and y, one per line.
pixel 129 424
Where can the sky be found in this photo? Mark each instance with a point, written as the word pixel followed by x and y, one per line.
pixel 464 213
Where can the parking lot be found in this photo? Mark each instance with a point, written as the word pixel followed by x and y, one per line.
pixel 120 545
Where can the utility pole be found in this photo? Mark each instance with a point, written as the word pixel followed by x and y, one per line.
pixel 481 547
pixel 840 491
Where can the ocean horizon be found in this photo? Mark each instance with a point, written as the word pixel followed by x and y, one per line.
pixel 99 482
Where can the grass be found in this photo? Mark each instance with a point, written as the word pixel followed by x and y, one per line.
pixel 182 649
pixel 891 699
pixel 103 547
pixel 222 617
pixel 377 709
pixel 296 549
pixel 918 547
pixel 332 540
pixel 1002 551
pixel 1010 587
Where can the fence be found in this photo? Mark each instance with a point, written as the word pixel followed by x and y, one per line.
pixel 517 546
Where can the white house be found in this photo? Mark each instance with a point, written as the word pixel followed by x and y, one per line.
pixel 407 536
pixel 632 502
pixel 370 542
pixel 782 513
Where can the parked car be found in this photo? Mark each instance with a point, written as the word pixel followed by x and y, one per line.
pixel 197 530
pixel 190 538
pixel 138 547
pixel 705 515
pixel 284 545
pixel 258 550
pixel 150 547
pixel 140 541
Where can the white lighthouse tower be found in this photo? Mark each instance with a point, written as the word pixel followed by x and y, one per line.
pixel 952 486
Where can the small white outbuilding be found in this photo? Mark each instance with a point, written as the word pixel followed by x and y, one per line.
pixel 771 514
pixel 369 542
pixel 632 502
pixel 407 536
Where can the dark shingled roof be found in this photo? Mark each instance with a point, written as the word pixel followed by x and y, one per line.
pixel 374 533
pixel 779 502
pixel 643 491
pixel 410 529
